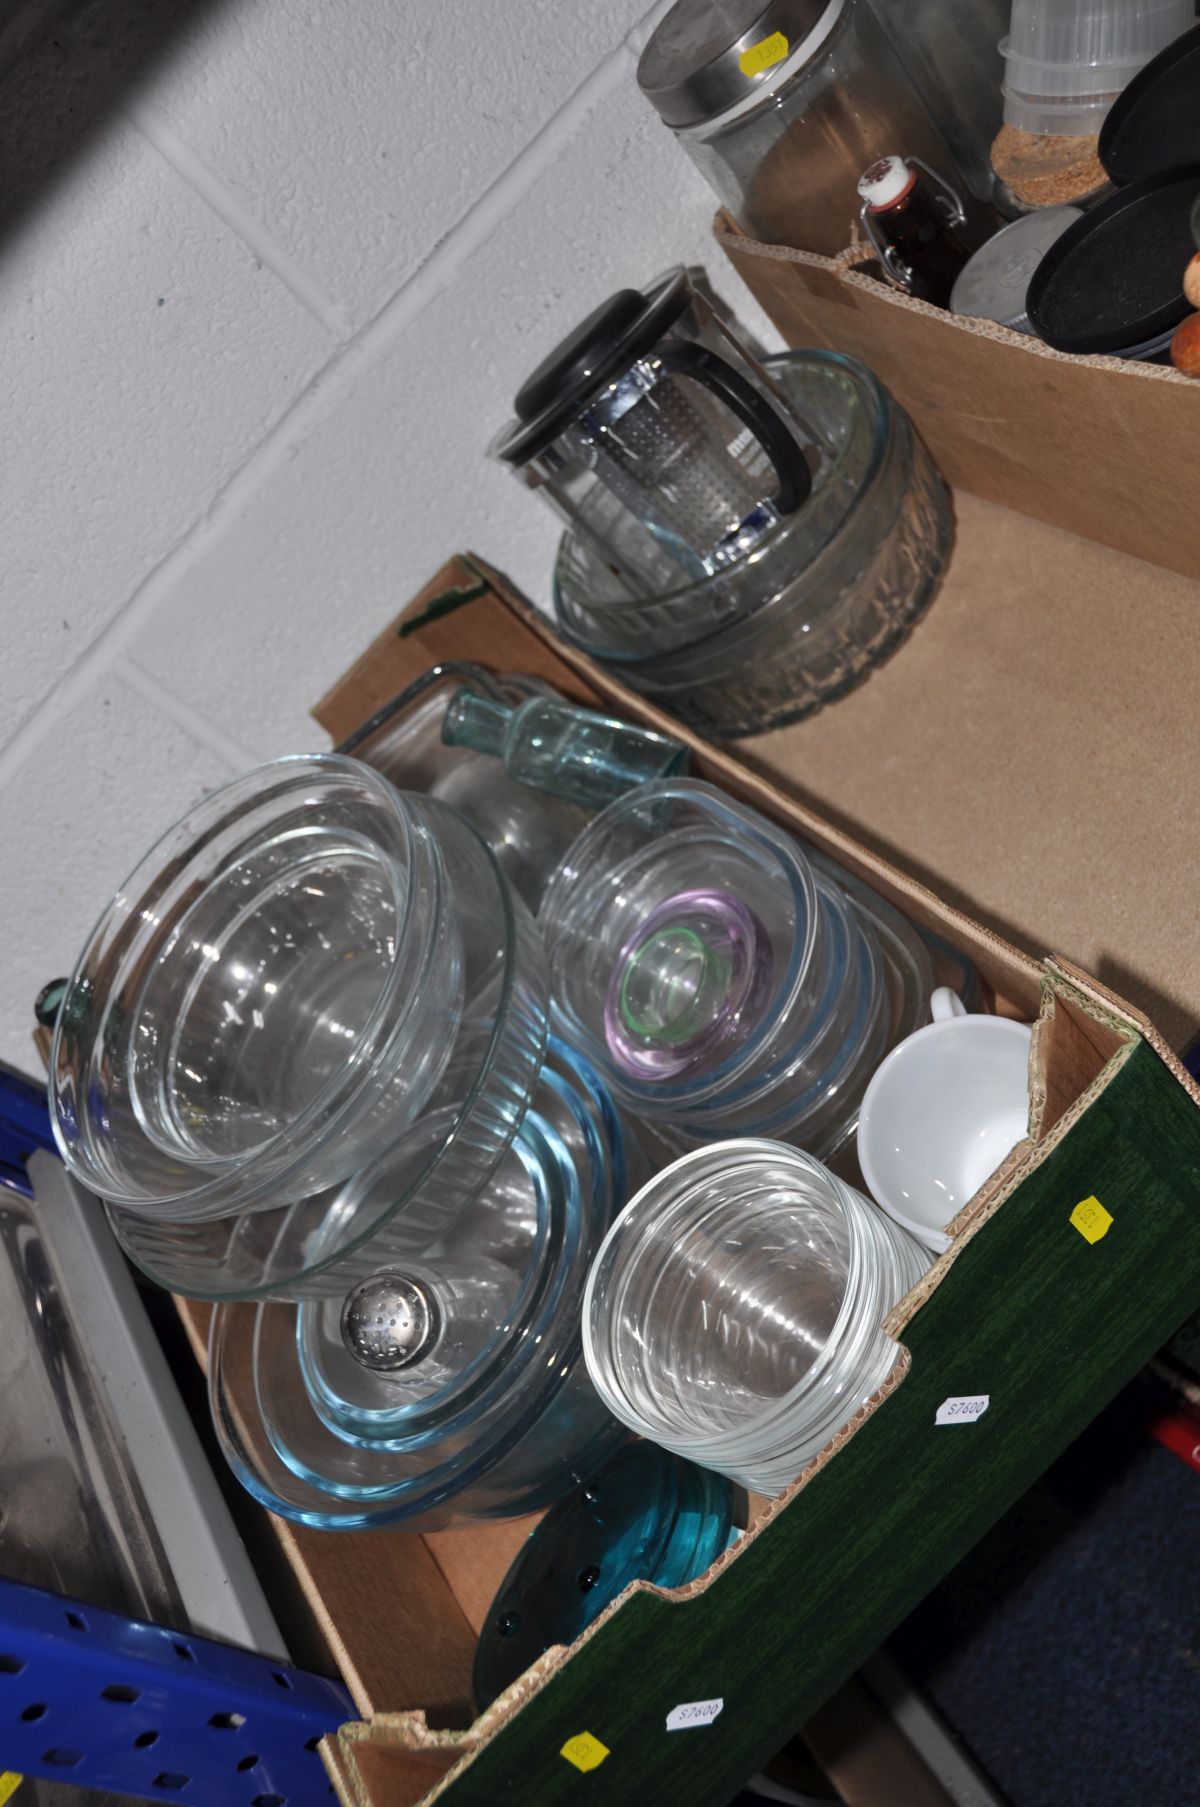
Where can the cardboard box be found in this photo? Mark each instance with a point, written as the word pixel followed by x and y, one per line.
pixel 1102 446
pixel 1022 1307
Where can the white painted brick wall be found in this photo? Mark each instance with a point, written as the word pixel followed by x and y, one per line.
pixel 254 337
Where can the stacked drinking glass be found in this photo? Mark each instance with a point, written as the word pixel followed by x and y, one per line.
pixel 735 1311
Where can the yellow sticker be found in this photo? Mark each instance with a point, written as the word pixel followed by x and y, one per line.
pixel 1091 1219
pixel 584 1751
pixel 764 55
pixel 10 1781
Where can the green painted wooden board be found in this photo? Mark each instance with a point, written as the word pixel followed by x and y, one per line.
pixel 1047 1324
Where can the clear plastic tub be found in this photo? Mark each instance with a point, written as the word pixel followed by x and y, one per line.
pixel 1066 61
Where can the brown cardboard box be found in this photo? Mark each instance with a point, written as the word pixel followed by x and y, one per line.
pixel 1102 446
pixel 1110 1109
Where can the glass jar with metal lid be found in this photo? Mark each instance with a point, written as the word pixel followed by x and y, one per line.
pixel 782 104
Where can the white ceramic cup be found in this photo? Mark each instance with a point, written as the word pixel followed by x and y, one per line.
pixel 941 1113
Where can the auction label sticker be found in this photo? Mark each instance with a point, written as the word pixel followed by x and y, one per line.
pixel 764 55
pixel 691 1713
pixel 966 1408
pixel 1091 1219
pixel 584 1751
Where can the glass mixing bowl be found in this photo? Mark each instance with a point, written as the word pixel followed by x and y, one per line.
pixel 448 1387
pixel 407 1187
pixel 274 988
pixel 719 981
pixel 836 587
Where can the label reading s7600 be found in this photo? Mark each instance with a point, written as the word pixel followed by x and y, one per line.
pixel 692 1713
pixel 963 1409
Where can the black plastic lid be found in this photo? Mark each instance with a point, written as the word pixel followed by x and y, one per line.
pixel 1154 124
pixel 1113 281
pixel 619 332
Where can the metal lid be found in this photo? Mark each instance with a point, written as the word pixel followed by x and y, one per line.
pixel 993 285
pixel 706 56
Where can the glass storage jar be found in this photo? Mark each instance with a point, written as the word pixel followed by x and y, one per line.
pixel 782 104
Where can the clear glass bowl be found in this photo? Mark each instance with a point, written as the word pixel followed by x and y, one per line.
pixel 734 1312
pixel 492 1414
pixel 838 586
pixel 719 981
pixel 648 1516
pixel 275 987
pixel 408 1187
pixel 526 830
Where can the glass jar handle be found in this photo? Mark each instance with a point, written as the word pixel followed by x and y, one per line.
pixel 684 358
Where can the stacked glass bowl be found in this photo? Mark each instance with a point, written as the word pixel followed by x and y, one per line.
pixel 735 1311
pixel 297 1058
pixel 449 1385
pixel 722 981
pixel 835 588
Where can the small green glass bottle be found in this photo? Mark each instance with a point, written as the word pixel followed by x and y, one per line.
pixel 556 747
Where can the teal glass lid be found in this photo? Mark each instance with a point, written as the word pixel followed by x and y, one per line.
pixel 648 1516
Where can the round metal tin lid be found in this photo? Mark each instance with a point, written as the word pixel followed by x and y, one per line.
pixel 994 284
pixel 707 55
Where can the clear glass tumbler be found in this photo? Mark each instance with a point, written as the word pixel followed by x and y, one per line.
pixel 734 1312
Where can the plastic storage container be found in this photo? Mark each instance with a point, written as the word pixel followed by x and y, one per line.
pixel 1066 61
